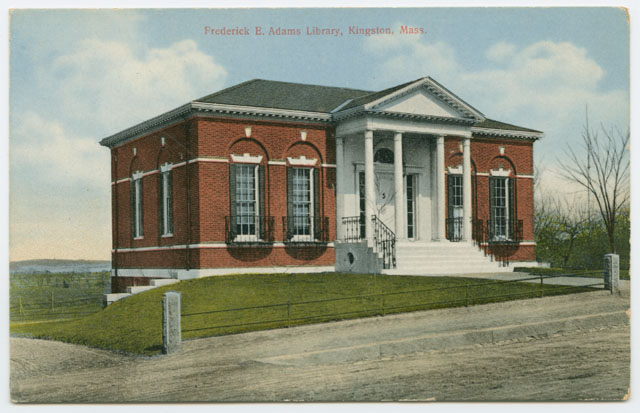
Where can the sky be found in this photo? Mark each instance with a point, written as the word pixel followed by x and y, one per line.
pixel 77 76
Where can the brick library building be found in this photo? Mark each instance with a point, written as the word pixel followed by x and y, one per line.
pixel 267 176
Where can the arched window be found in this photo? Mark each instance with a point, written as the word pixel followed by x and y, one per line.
pixel 383 155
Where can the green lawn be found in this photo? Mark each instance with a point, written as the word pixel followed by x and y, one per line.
pixel 624 274
pixel 134 324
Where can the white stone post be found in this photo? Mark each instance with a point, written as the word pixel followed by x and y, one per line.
pixel 369 185
pixel 612 273
pixel 171 335
pixel 466 189
pixel 440 206
pixel 399 186
pixel 339 187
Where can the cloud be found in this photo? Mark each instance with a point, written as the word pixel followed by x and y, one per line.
pixel 109 84
pixel 500 51
pixel 42 150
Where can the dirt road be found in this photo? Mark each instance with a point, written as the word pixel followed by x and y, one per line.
pixel 589 361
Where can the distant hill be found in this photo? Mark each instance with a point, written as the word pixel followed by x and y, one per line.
pixel 57 266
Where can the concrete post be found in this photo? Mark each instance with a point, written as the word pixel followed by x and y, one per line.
pixel 369 185
pixel 171 338
pixel 398 186
pixel 339 187
pixel 440 206
pixel 612 273
pixel 466 189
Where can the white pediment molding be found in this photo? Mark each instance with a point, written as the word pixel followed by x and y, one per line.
pixel 500 172
pixel 246 158
pixel 302 161
pixel 435 99
pixel 455 170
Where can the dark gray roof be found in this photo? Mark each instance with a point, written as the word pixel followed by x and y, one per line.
pixel 494 124
pixel 363 100
pixel 284 95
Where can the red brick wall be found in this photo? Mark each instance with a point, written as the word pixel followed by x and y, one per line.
pixel 213 141
pixel 485 155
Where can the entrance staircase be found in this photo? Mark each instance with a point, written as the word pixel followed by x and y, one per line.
pixel 444 257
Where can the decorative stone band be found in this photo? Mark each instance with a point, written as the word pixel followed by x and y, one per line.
pixel 521 243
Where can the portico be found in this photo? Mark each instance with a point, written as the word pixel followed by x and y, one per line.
pixel 390 163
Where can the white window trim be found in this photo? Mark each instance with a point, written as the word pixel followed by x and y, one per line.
pixel 507 212
pixel 166 169
pixel 246 158
pixel 138 207
pixel 500 172
pixel 455 170
pixel 256 212
pixel 302 161
pixel 311 236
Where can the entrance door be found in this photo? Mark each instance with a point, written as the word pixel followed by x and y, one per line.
pixel 385 198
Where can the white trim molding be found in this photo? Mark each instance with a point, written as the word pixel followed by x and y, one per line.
pixel 246 158
pixel 328 165
pixel 500 172
pixel 455 170
pixel 523 176
pixel 302 161
pixel 277 162
pixel 213 245
pixel 166 167
pixel 138 174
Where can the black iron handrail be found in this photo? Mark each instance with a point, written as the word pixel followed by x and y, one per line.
pixel 504 230
pixel 301 229
pixel 384 242
pixel 454 229
pixel 352 228
pixel 245 228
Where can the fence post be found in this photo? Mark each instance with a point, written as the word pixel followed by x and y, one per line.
pixel 611 273
pixel 21 309
pixel 288 313
pixel 52 307
pixel 171 334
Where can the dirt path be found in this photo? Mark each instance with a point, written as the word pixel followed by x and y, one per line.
pixel 576 364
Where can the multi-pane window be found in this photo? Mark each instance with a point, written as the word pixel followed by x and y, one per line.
pixel 167 203
pixel 302 201
pixel 246 199
pixel 455 207
pixel 500 208
pixel 136 207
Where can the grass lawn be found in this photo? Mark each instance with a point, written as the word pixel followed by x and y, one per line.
pixel 222 305
pixel 624 274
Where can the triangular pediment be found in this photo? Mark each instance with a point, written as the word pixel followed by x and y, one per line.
pixel 420 102
pixel 424 97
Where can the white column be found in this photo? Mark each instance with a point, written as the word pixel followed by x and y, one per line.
pixel 399 186
pixel 466 188
pixel 440 206
pixel 339 187
pixel 369 184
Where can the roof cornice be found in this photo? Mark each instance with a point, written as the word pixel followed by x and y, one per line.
pixel 505 133
pixel 145 126
pixel 213 108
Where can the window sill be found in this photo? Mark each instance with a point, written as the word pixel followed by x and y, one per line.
pixel 167 235
pixel 138 238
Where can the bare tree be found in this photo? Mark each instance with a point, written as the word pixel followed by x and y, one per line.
pixel 603 171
